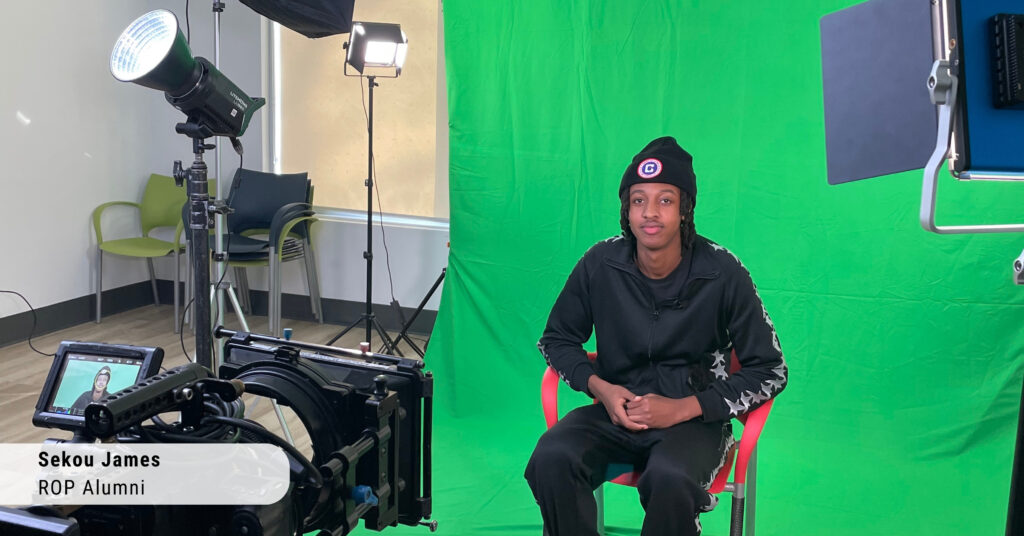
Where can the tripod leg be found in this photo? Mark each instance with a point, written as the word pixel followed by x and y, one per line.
pixel 250 410
pixel 284 424
pixel 344 331
pixel 389 345
pixel 242 282
pixel 419 309
pixel 238 308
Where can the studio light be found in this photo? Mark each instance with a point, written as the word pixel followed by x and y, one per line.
pixel 152 52
pixel 376 44
pixel 381 46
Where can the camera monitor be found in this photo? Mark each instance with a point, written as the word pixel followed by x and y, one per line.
pixel 83 373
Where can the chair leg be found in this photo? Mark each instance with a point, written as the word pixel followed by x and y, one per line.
pixel 599 498
pixel 152 281
pixel 274 294
pixel 270 293
pixel 751 491
pixel 99 283
pixel 312 280
pixel 177 299
pixel 736 522
pixel 247 300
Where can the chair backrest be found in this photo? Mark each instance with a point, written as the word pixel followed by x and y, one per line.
pixel 161 203
pixel 255 196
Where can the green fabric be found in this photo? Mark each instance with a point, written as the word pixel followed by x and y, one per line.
pixel 904 347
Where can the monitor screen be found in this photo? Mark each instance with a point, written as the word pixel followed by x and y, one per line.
pixel 83 373
pixel 88 378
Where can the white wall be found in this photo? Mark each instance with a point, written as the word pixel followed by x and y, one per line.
pixel 73 137
pixel 418 250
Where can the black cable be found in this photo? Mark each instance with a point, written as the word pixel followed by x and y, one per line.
pixel 380 209
pixel 383 235
pixel 34 321
pixel 315 476
pixel 181 334
pixel 188 29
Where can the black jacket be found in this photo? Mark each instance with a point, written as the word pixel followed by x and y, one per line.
pixel 677 348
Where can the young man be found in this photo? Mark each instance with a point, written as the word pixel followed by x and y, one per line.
pixel 98 391
pixel 668 307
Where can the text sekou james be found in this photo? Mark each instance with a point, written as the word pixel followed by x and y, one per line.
pixel 88 460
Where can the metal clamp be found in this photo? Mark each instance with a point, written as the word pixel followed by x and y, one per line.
pixel 942 88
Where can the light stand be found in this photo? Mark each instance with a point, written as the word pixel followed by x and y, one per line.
pixel 381 45
pixel 368 318
pixel 195 179
pixel 219 255
pixel 153 52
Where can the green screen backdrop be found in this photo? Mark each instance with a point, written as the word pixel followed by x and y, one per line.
pixel 904 347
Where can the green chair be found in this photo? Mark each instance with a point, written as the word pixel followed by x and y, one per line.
pixel 161 206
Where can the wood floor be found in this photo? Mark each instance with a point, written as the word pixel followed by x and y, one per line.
pixel 24 370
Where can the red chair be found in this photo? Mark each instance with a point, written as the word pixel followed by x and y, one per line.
pixel 742 486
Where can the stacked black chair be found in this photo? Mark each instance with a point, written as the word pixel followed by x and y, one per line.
pixel 269 224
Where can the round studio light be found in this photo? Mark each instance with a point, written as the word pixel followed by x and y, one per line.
pixel 143 45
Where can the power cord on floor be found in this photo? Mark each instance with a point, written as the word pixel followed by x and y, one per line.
pixel 34 322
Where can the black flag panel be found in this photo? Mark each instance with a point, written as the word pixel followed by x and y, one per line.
pixel 311 18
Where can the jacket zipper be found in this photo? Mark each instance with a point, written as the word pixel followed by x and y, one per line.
pixel 650 335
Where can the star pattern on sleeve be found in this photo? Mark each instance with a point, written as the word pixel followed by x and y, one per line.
pixel 718 365
pixel 735 408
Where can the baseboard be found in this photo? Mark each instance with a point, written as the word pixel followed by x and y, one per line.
pixel 16 328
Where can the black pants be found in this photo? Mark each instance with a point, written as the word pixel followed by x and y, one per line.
pixel 677 464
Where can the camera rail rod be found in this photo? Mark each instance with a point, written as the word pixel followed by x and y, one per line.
pixel 221 332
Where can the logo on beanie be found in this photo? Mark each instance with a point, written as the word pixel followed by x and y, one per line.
pixel 648 169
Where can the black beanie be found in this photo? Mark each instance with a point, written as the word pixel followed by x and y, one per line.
pixel 663 160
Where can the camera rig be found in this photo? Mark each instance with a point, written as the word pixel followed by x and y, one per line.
pixel 368 416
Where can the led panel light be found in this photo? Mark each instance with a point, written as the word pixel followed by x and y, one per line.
pixel 376 44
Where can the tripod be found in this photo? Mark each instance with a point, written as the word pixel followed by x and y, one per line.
pixel 406 324
pixel 368 318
